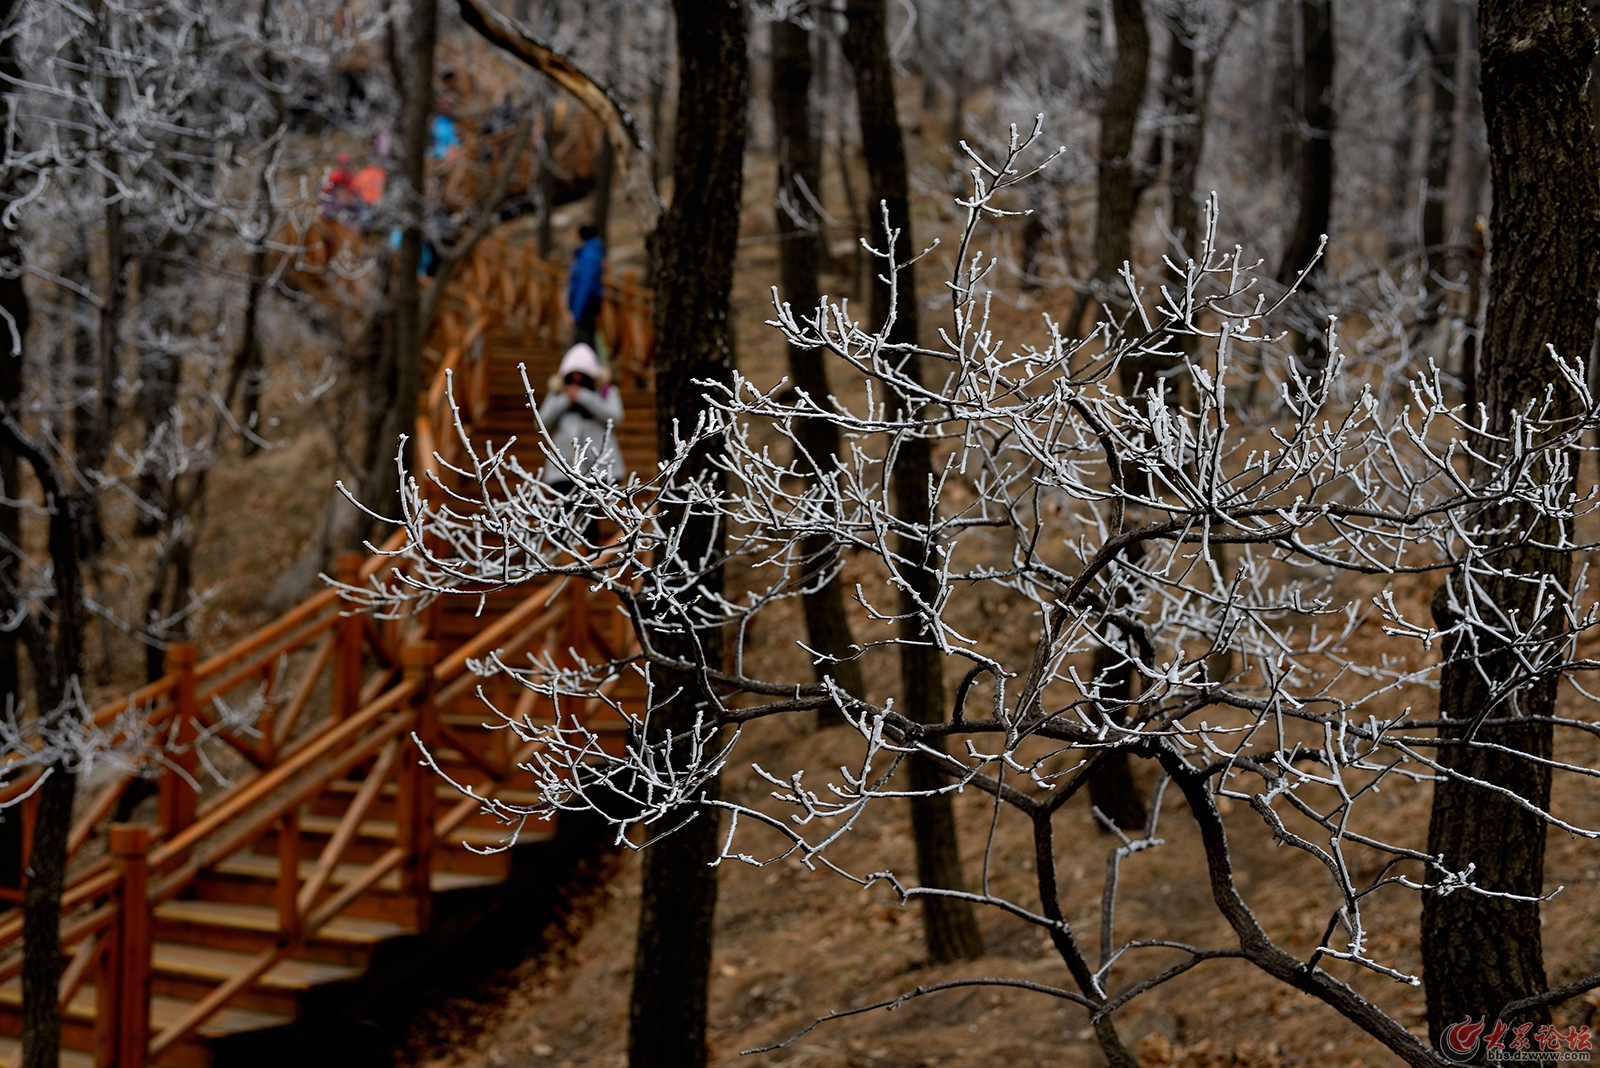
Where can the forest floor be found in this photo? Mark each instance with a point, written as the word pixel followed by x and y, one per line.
pixel 792 945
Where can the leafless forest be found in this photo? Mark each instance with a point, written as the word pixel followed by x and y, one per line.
pixel 1057 535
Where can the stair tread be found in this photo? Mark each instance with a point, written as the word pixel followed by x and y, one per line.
pixel 357 930
pixel 218 965
pixel 164 1011
pixel 482 837
pixel 262 866
pixel 11 1053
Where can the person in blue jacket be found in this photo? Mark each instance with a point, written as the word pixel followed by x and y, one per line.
pixel 584 284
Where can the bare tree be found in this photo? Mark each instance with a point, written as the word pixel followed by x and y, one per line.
pixel 1044 481
pixel 950 929
pixel 799 227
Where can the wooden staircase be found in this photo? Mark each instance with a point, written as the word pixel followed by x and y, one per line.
pixel 244 926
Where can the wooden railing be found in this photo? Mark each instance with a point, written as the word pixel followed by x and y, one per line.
pixel 310 698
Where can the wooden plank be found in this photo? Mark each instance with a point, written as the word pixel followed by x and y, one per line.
pixel 263 657
pixel 489 641
pixel 302 694
pixel 211 965
pixel 265 868
pixel 78 968
pixel 270 633
pixel 263 919
pixel 99 809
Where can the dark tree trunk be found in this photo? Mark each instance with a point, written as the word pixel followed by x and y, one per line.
pixel 57 662
pixel 604 168
pixel 41 922
pixel 1314 156
pixel 14 300
pixel 408 327
pixel 1480 953
pixel 1405 133
pixel 1441 141
pixel 606 165
pixel 1313 176
pixel 1112 789
pixel 55 650
pixel 950 926
pixel 799 171
pixel 547 185
pixel 245 376
pixel 1114 196
pixel 958 87
pixel 692 255
pixel 1182 92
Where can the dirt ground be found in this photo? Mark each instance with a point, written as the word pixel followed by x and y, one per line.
pixel 792 945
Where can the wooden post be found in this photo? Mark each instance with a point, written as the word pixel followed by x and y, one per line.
pixel 416 782
pixel 288 889
pixel 347 657
pixel 177 792
pixel 130 849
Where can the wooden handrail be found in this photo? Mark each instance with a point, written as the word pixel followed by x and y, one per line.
pixel 317 602
pixel 262 786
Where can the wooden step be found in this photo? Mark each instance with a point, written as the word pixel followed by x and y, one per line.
pixel 11 1053
pixel 355 931
pixel 211 965
pixel 263 867
pixel 164 1011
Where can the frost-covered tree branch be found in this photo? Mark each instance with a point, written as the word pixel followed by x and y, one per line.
pixel 1249 578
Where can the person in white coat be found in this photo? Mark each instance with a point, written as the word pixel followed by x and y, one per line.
pixel 581 408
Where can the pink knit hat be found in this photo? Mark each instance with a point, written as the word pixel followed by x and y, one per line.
pixel 582 359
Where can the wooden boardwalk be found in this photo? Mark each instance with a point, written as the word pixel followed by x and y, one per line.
pixel 208 933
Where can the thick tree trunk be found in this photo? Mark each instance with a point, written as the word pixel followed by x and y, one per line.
pixel 1441 141
pixel 13 332
pixel 1314 159
pixel 1405 132
pixel 41 923
pixel 799 171
pixel 1478 952
pixel 57 666
pixel 606 165
pixel 408 327
pixel 1119 114
pixel 1183 101
pixel 692 255
pixel 1313 179
pixel 949 924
